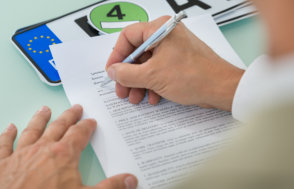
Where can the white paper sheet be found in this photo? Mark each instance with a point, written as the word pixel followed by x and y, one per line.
pixel 159 144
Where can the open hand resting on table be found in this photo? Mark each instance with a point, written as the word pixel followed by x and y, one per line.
pixel 181 68
pixel 48 159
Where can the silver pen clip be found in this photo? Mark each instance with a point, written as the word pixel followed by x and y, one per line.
pixel 171 24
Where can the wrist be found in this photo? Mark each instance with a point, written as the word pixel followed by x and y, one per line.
pixel 227 85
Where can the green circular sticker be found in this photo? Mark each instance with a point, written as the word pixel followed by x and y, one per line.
pixel 113 17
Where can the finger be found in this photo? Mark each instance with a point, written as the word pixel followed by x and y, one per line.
pixel 59 127
pixel 78 136
pixel 136 95
pixel 6 141
pixel 35 128
pixel 132 37
pixel 123 181
pixel 130 75
pixel 153 98
pixel 122 92
pixel 127 42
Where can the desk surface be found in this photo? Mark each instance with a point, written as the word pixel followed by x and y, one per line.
pixel 22 92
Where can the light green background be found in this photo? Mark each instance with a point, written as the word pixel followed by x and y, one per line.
pixel 22 92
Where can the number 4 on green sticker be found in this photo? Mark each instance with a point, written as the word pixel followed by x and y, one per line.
pixel 118 14
pixel 113 17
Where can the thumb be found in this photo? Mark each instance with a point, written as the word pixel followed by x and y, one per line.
pixel 129 75
pixel 123 181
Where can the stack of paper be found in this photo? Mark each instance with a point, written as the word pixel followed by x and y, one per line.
pixel 223 11
pixel 241 11
pixel 159 144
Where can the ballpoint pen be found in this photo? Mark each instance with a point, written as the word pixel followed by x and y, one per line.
pixel 152 41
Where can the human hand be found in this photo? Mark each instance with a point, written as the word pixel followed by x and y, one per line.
pixel 49 158
pixel 181 68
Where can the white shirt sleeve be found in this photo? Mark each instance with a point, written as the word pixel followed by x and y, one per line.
pixel 265 83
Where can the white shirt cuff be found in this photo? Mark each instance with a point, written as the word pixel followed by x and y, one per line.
pixel 265 83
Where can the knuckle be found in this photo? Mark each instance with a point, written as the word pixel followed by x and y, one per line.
pixel 57 128
pixel 59 122
pixel 35 148
pixel 60 149
pixel 4 146
pixel 81 131
pixel 33 133
pixel 70 114
pixel 130 27
pixel 42 142
pixel 165 17
pixel 77 134
pixel 6 150
pixel 126 29
pixel 74 133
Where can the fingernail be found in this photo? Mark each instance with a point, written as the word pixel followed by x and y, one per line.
pixel 44 109
pixel 10 128
pixel 76 107
pixel 131 182
pixel 111 74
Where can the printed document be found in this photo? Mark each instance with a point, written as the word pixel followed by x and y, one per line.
pixel 159 144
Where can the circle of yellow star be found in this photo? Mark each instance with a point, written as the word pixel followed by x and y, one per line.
pixel 40 37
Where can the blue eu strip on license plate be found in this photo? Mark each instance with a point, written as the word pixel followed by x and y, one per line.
pixel 35 43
